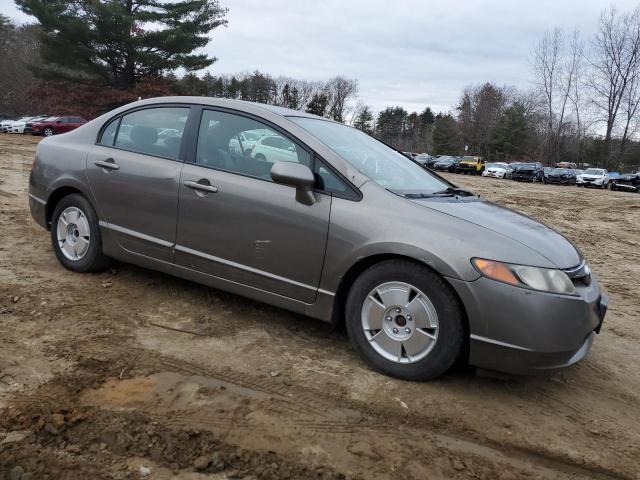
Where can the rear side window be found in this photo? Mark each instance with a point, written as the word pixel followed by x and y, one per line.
pixel 153 131
pixel 109 133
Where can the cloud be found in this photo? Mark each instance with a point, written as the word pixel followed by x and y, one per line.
pixel 403 52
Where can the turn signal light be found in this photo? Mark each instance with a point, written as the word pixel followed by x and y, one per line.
pixel 496 271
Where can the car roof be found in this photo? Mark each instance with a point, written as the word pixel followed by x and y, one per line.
pixel 226 102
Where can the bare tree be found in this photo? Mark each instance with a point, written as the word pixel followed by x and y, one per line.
pixel 556 73
pixel 615 67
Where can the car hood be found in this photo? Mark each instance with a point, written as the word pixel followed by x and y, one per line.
pixel 519 227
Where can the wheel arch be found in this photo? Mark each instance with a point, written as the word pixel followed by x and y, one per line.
pixel 58 194
pixel 354 271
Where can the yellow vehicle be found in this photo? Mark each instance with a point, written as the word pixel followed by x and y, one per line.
pixel 471 164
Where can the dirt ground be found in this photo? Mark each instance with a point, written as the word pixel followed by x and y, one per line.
pixel 130 373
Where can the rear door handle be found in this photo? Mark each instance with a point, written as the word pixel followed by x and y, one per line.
pixel 109 164
pixel 203 187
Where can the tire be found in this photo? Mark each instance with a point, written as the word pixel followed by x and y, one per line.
pixel 48 132
pixel 446 340
pixel 87 245
pixel 260 157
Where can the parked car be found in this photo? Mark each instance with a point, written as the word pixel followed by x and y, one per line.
pixel 5 125
pixel 593 177
pixel 244 142
pixel 496 170
pixel 528 172
pixel 510 168
pixel 345 230
pixel 548 170
pixel 29 125
pixel 274 148
pixel 563 176
pixel 425 160
pixel 54 125
pixel 471 164
pixel 570 165
pixel 18 126
pixel 446 164
pixel 627 182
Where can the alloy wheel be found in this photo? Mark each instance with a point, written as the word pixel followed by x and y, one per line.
pixel 73 233
pixel 400 322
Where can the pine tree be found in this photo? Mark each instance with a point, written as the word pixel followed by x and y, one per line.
pixel 318 104
pixel 446 138
pixel 364 120
pixel 122 41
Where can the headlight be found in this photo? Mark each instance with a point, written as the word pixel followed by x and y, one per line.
pixel 543 279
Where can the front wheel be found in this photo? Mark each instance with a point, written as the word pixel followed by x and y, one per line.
pixel 75 235
pixel 48 132
pixel 405 320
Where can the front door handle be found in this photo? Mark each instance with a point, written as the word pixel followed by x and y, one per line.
pixel 109 164
pixel 202 187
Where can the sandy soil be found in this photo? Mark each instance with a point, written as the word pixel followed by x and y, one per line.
pixel 131 373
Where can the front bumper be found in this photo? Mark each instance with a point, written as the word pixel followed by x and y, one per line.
pixel 519 331
pixel 523 177
pixel 595 183
pixel 626 186
pixel 558 180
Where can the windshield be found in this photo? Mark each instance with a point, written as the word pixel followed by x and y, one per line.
pixel 496 165
pixel 372 158
pixel 561 170
pixel 526 165
pixel 51 119
pixel 594 171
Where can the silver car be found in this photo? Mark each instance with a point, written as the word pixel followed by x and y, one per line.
pixel 349 231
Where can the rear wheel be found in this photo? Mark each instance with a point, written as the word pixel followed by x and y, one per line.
pixel 48 132
pixel 75 235
pixel 405 320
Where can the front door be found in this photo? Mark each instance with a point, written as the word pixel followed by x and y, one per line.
pixel 235 223
pixel 134 175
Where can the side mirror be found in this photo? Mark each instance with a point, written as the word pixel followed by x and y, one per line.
pixel 298 176
pixel 58 121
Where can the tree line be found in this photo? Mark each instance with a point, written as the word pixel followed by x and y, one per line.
pixel 90 56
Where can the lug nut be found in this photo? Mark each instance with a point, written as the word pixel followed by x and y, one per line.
pixel 388 318
pixel 409 317
pixel 398 309
pixel 407 330
pixel 395 330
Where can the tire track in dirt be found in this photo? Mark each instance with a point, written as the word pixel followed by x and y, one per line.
pixel 312 409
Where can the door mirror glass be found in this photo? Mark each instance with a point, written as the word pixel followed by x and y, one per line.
pixel 295 175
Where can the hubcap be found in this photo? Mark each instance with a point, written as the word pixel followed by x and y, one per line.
pixel 73 233
pixel 400 322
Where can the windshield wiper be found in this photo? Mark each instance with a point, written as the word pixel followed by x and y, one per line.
pixel 450 191
pixel 447 192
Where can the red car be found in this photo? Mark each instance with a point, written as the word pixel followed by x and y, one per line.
pixel 53 125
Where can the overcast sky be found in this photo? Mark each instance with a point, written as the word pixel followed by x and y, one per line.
pixel 402 52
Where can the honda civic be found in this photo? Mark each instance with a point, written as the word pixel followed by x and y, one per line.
pixel 329 223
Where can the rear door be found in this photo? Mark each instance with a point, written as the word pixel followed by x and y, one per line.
pixel 134 174
pixel 236 223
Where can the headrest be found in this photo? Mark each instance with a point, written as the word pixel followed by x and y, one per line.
pixel 141 135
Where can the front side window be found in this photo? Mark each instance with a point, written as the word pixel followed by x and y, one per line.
pixel 145 131
pixel 242 145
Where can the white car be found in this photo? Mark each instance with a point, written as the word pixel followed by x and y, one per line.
pixel 496 170
pixel 19 125
pixel 5 125
pixel 245 141
pixel 594 177
pixel 274 148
